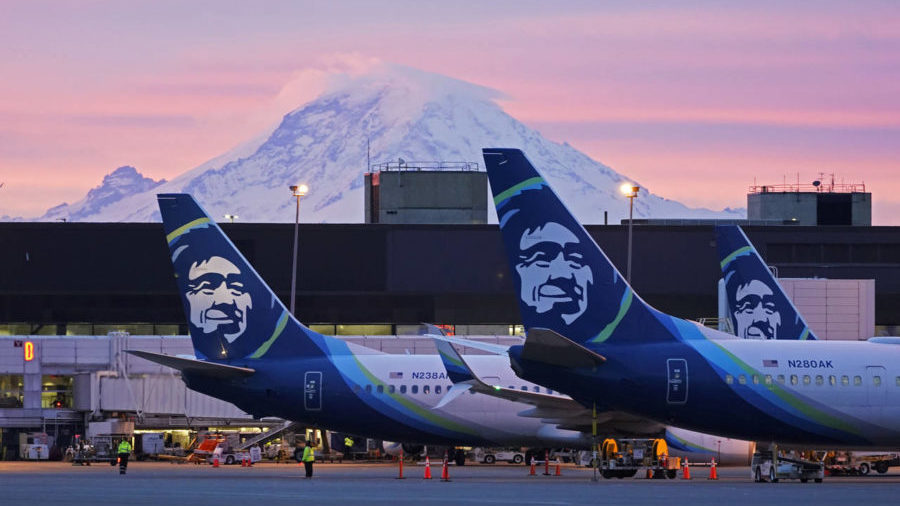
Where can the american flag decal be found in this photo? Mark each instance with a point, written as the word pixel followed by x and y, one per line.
pixel 396 375
pixel 770 363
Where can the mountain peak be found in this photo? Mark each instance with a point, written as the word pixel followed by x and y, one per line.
pixel 120 183
pixel 391 112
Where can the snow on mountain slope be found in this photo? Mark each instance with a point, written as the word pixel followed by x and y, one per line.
pixel 404 113
pixel 120 183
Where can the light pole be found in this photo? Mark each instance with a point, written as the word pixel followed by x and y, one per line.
pixel 231 217
pixel 297 191
pixel 630 190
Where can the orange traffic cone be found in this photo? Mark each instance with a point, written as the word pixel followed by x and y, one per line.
pixel 713 475
pixel 532 471
pixel 215 461
pixel 243 461
pixel 427 468
pixel 546 462
pixel 685 470
pixel 649 473
pixel 558 472
pixel 400 468
pixel 445 471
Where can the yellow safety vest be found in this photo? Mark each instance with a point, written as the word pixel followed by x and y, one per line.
pixel 348 442
pixel 124 447
pixel 308 455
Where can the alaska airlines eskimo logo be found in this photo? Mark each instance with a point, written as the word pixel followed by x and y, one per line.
pixel 753 303
pixel 755 312
pixel 552 271
pixel 217 297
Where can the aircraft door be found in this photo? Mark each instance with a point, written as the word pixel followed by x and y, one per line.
pixel 312 391
pixel 678 381
pixel 876 390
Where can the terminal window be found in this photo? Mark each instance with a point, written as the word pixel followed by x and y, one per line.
pixel 56 391
pixel 12 390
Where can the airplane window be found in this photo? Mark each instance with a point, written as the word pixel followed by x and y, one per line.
pixel 380 389
pixel 876 380
pixel 793 379
pixel 415 389
pixel 524 388
pixel 550 392
pixel 426 389
pixel 781 379
pixel 832 380
pixel 392 389
pixel 356 389
pixel 368 389
pixel 402 389
pixel 437 389
pixel 729 379
pixel 755 379
pixel 820 380
pixel 857 381
pixel 806 379
pixel 536 389
pixel 768 379
pixel 512 387
pixel 845 380
pixel 742 379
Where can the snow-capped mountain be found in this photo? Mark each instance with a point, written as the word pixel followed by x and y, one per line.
pixel 403 113
pixel 121 183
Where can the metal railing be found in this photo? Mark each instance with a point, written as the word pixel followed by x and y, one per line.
pixel 403 165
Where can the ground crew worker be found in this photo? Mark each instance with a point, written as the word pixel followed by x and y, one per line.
pixel 124 451
pixel 348 447
pixel 308 458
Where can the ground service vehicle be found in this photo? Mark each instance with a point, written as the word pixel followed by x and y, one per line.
pixel 492 455
pixel 769 466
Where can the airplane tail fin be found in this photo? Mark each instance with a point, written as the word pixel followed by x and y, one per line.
pixel 232 313
pixel 565 282
pixel 757 305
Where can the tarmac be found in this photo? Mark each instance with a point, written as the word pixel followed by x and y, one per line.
pixel 56 483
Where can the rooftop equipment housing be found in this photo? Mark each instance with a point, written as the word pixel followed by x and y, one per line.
pixel 404 192
pixel 818 203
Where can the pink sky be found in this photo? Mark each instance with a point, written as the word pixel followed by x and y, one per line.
pixel 693 101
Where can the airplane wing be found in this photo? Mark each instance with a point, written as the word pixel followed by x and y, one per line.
pixel 195 367
pixel 461 374
pixel 562 411
pixel 545 345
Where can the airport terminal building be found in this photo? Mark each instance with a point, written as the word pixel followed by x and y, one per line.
pixel 74 296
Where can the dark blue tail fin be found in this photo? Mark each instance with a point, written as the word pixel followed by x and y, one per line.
pixel 757 305
pixel 231 311
pixel 564 280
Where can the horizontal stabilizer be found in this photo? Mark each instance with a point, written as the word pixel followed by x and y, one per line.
pixel 195 367
pixel 545 345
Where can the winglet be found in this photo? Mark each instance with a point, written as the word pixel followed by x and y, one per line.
pixel 457 369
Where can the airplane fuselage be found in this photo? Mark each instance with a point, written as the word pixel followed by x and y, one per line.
pixel 391 396
pixel 839 394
